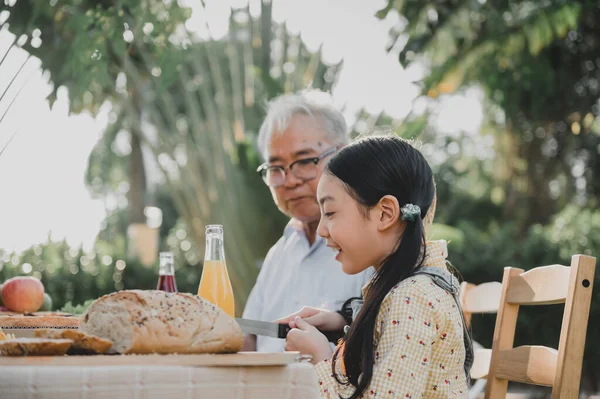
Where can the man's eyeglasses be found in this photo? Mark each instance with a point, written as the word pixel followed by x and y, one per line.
pixel 305 169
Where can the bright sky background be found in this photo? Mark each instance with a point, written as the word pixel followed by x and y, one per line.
pixel 42 188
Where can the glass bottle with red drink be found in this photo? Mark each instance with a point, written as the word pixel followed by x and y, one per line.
pixel 166 273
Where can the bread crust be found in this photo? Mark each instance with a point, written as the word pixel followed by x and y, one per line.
pixel 82 343
pixel 34 347
pixel 161 322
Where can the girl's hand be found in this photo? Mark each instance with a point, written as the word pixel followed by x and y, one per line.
pixel 324 320
pixel 307 340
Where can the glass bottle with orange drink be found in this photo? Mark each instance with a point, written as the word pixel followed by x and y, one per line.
pixel 215 285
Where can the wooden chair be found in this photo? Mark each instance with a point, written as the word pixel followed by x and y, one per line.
pixel 478 299
pixel 541 365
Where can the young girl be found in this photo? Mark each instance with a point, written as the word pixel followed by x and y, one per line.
pixel 407 339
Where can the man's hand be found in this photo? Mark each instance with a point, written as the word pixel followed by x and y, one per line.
pixel 307 340
pixel 324 320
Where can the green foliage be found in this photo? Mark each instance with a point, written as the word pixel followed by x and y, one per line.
pixel 459 37
pixel 83 41
pixel 73 277
pixel 193 105
pixel 76 309
pixel 537 63
pixel 452 235
pixel 573 231
pixel 206 121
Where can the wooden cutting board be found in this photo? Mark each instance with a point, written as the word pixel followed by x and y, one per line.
pixel 38 320
pixel 201 360
pixel 10 313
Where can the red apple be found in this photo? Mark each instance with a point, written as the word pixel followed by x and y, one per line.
pixel 23 294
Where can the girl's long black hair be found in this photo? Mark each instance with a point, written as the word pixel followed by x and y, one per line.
pixel 371 168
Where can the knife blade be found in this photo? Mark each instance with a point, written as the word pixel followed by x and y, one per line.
pixel 276 330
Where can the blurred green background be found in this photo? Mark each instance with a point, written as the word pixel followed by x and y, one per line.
pixel 523 191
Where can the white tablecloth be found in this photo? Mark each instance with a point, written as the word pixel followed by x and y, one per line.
pixel 158 382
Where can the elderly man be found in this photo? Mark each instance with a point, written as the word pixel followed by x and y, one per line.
pixel 299 134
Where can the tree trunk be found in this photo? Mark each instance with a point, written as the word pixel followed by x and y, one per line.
pixel 137 180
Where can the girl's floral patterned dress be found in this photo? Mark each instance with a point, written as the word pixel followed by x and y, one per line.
pixel 418 343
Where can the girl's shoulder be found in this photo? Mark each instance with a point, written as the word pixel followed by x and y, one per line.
pixel 418 289
pixel 416 283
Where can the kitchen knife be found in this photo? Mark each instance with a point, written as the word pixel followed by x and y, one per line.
pixel 277 330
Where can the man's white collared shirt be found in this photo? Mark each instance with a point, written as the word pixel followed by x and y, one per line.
pixel 295 274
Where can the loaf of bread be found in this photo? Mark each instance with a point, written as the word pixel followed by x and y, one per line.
pixel 161 322
pixel 34 347
pixel 83 343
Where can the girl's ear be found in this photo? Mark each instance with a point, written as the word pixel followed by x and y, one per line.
pixel 387 212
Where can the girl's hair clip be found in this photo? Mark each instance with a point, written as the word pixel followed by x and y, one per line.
pixel 410 212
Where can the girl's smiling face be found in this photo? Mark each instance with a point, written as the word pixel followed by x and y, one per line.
pixel 361 236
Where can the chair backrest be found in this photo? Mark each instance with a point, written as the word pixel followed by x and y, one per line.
pixel 477 299
pixel 540 365
pixel 482 298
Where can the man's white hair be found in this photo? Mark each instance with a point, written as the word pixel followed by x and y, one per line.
pixel 314 103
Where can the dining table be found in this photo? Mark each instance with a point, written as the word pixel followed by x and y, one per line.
pixel 243 375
